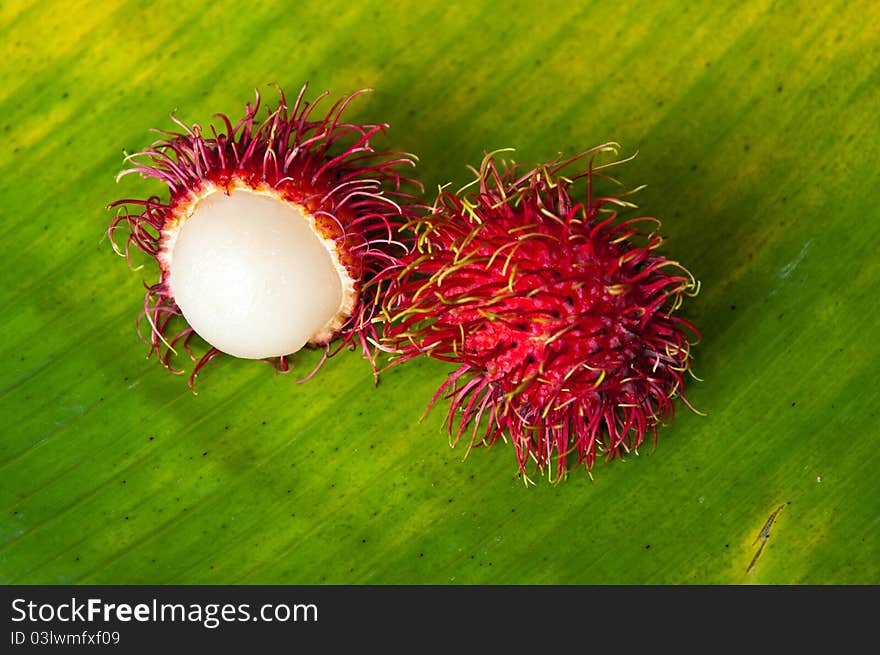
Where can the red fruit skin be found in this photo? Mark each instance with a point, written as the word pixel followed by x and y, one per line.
pixel 357 196
pixel 559 316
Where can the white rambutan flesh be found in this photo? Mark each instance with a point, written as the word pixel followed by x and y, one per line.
pixel 252 277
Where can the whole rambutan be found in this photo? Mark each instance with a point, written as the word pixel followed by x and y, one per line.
pixel 558 314
pixel 271 235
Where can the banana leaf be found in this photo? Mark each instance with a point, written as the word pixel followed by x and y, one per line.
pixel 757 133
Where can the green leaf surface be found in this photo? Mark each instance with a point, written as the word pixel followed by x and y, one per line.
pixel 758 136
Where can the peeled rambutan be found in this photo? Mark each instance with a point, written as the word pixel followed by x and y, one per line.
pixel 272 233
pixel 558 313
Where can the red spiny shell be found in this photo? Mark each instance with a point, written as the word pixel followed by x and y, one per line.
pixel 558 314
pixel 355 194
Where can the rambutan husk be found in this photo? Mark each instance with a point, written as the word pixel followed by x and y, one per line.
pixel 558 313
pixel 354 197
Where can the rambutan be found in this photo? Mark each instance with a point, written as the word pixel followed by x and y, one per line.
pixel 558 313
pixel 272 233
